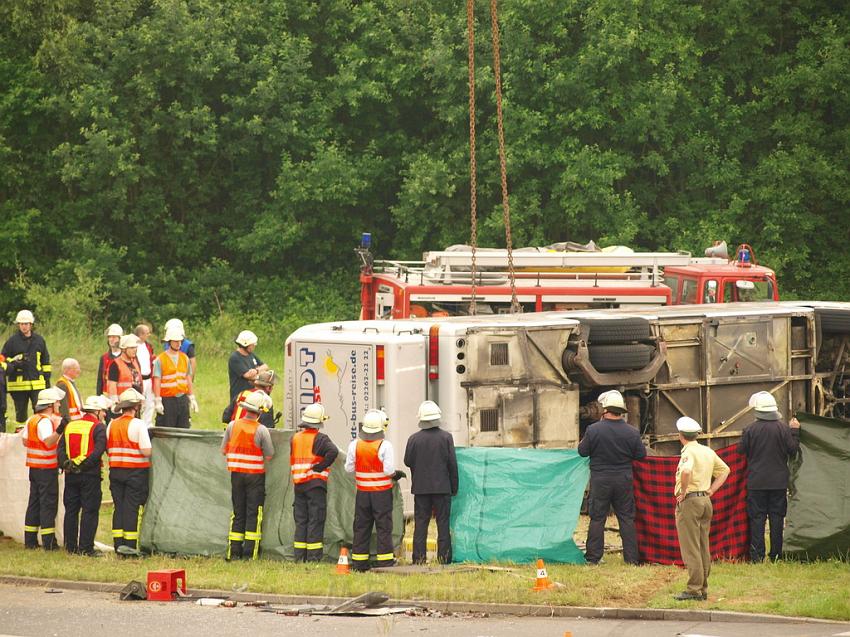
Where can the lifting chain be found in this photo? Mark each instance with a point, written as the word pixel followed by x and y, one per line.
pixel 473 186
pixel 506 210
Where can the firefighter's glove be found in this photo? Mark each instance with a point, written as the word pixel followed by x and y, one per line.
pixel 277 417
pixel 16 359
pixel 194 404
pixel 398 475
pixel 62 424
pixel 69 467
pixel 158 406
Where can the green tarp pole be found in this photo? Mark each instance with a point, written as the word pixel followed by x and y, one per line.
pixel 518 505
pixel 818 522
pixel 188 510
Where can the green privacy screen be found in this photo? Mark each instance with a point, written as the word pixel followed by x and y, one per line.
pixel 188 510
pixel 518 505
pixel 818 521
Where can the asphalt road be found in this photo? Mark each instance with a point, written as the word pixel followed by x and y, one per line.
pixel 31 612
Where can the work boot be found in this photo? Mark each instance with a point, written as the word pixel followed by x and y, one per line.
pixel 48 542
pixel 235 551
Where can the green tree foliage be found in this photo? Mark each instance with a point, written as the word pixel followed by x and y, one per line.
pixel 198 156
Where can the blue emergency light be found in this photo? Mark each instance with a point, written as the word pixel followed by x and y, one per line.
pixel 366 240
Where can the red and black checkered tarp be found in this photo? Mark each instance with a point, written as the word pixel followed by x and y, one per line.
pixel 655 518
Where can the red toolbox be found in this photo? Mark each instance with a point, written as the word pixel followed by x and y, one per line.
pixel 165 585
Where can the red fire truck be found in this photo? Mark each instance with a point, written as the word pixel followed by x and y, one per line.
pixel 556 279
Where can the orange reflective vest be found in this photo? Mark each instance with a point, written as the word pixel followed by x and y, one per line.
pixel 302 458
pixel 75 410
pixel 39 455
pixel 368 469
pixel 174 377
pixel 242 453
pixel 239 412
pixel 124 453
pixel 126 377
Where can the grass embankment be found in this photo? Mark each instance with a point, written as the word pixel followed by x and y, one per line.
pixel 786 588
pixel 810 590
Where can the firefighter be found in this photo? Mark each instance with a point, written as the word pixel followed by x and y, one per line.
pixel 430 454
pixel 244 366
pixel 311 455
pixel 265 382
pixel 247 446
pixel 40 438
pixel 370 458
pixel 187 346
pixel 2 393
pixel 71 405
pixel 172 384
pixel 80 450
pixel 113 339
pixel 27 366
pixel 125 372
pixel 128 447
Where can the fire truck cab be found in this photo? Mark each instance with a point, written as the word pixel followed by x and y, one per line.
pixel 718 280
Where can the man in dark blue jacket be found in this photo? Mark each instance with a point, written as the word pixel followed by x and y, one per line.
pixel 430 454
pixel 612 444
pixel 768 443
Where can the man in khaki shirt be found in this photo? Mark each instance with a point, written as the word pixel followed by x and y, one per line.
pixel 699 475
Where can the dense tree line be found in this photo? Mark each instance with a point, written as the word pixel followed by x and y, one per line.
pixel 192 156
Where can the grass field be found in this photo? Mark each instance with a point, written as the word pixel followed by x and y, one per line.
pixel 788 588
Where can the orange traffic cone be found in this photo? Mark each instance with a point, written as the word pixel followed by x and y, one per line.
pixel 543 582
pixel 342 565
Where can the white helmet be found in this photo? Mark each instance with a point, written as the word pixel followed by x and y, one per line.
pixel 97 403
pixel 429 410
pixel 175 322
pixel 24 316
pixel 688 425
pixel 129 340
pixel 763 401
pixel 612 399
pixel 49 396
pixel 114 330
pixel 256 402
pixel 174 333
pixel 314 414
pixel 246 338
pixel 375 421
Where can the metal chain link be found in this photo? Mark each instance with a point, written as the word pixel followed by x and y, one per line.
pixel 473 186
pixel 506 210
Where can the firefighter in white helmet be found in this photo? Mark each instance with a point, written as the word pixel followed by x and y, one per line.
pixel 612 444
pixel 128 447
pixel 41 439
pixel 247 446
pixel 187 346
pixel 27 366
pixel 430 454
pixel 172 384
pixel 370 458
pixel 244 366
pixel 311 454
pixel 113 339
pixel 125 371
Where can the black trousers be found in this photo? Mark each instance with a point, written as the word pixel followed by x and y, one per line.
pixel 763 505
pixel 424 506
pixel 176 412
pixel 248 493
pixel 373 507
pixel 309 510
pixel 609 490
pixel 23 400
pixel 82 500
pixel 129 489
pixel 2 400
pixel 41 509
